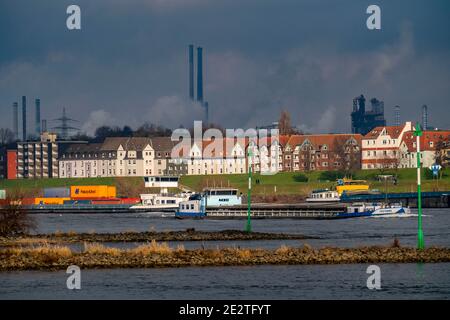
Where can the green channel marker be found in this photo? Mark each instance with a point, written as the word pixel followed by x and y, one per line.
pixel 249 192
pixel 420 241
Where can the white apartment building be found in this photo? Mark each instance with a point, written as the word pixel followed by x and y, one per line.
pixel 381 147
pixel 115 157
pixel 429 144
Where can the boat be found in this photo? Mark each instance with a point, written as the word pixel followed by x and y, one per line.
pixel 192 208
pixel 323 195
pixel 221 197
pixel 160 202
pixel 350 185
pixel 363 209
pixel 195 206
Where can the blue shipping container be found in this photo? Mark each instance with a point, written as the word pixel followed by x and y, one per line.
pixel 61 192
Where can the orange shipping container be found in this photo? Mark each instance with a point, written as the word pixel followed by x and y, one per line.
pixel 92 192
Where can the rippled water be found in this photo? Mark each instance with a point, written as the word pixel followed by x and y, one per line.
pixel 345 232
pixel 398 281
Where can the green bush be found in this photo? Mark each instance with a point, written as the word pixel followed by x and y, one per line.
pixel 331 175
pixel 300 177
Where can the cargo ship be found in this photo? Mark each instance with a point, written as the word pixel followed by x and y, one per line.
pixel 195 206
pixel 80 199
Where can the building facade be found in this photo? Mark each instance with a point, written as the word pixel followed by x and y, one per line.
pixel 325 152
pixel 381 146
pixel 38 159
pixel 433 146
pixel 364 120
pixel 115 157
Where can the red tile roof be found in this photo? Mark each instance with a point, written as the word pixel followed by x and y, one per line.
pixel 425 139
pixel 393 131
pixel 321 139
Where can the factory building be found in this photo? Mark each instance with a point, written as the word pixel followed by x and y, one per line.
pixel 363 121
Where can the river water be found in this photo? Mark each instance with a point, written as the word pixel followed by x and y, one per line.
pixel 398 281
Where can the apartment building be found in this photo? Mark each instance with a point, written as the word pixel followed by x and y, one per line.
pixel 434 145
pixel 381 146
pixel 115 157
pixel 38 159
pixel 322 152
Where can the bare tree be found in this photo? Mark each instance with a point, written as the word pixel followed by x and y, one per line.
pixel 284 123
pixel 6 136
pixel 14 219
pixel 347 155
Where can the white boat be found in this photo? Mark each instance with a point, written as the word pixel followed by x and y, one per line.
pixel 160 202
pixel 362 209
pixel 323 195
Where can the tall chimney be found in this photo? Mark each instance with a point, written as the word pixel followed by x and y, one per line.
pixel 24 118
pixel 44 125
pixel 16 120
pixel 200 74
pixel 397 115
pixel 38 116
pixel 424 117
pixel 206 106
pixel 191 71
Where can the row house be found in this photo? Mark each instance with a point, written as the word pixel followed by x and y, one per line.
pixel 217 156
pixel 115 157
pixel 434 146
pixel 381 146
pixel 267 154
pixel 322 152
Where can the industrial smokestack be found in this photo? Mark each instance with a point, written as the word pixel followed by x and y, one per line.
pixel 200 74
pixel 24 118
pixel 206 106
pixel 16 120
pixel 44 125
pixel 397 115
pixel 425 117
pixel 38 116
pixel 191 72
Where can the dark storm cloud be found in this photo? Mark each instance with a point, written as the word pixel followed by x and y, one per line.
pixel 128 64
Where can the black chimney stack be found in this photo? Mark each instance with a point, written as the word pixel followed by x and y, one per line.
pixel 24 118
pixel 191 71
pixel 200 74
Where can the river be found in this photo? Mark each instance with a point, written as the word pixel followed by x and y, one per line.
pixel 398 281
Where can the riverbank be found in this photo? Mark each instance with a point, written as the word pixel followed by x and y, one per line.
pixel 160 255
pixel 185 235
pixel 283 187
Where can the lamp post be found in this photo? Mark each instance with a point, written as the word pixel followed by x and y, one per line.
pixel 420 242
pixel 249 192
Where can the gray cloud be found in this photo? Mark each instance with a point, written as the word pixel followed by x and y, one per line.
pixel 129 61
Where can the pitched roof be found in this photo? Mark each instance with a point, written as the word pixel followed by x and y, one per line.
pixel 83 148
pixel 318 140
pixel 163 143
pixel 427 137
pixel 393 131
pixel 127 143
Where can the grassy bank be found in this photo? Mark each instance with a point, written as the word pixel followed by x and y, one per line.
pixel 161 255
pixel 286 183
pixel 283 183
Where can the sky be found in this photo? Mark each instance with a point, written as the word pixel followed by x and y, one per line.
pixel 128 64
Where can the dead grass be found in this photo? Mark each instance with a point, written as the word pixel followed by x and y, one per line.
pixel 97 248
pixel 153 248
pixel 283 249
